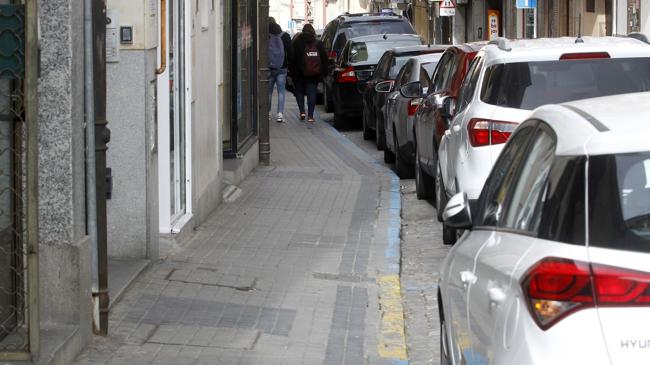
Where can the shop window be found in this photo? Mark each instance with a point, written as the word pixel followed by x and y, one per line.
pixel 240 126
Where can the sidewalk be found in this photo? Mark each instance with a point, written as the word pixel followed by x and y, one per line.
pixel 303 268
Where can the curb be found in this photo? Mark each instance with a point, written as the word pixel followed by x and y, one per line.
pixel 391 336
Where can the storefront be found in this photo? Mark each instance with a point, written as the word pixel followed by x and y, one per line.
pixel 240 47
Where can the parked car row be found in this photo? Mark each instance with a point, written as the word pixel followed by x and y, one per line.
pixel 536 155
pixel 552 195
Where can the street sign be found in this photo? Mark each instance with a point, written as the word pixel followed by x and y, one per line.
pixel 526 4
pixel 447 8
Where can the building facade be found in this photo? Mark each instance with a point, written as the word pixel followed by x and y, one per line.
pixel 477 20
pixel 177 82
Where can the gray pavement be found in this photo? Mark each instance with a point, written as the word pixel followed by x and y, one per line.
pixel 422 253
pixel 301 269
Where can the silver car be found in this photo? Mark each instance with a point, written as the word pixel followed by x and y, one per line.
pixel 554 263
pixel 411 85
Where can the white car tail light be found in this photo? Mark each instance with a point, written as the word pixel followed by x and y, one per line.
pixel 485 132
pixel 557 287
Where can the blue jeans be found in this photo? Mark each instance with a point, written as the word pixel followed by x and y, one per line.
pixel 306 87
pixel 278 77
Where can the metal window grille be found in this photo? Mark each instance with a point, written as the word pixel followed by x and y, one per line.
pixel 18 205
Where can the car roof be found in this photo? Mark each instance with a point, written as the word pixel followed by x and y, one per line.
pixel 402 51
pixel 597 126
pixel 541 49
pixel 384 37
pixel 368 17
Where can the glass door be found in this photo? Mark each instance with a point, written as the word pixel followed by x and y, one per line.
pixel 177 95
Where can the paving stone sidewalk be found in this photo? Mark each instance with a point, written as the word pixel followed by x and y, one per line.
pixel 286 274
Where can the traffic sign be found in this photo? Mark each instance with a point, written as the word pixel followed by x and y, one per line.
pixel 526 4
pixel 447 8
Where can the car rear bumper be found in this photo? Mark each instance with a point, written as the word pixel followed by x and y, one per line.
pixel 348 99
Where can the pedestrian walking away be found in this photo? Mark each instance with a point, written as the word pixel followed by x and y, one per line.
pixel 307 67
pixel 279 48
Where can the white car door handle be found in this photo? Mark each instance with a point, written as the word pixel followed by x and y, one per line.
pixel 456 128
pixel 467 277
pixel 496 295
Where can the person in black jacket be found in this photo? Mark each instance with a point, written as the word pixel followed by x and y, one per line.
pixel 278 68
pixel 307 67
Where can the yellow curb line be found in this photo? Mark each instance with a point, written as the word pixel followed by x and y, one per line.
pixel 392 340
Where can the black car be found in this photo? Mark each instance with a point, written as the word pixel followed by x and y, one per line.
pixel 355 66
pixel 387 69
pixel 347 26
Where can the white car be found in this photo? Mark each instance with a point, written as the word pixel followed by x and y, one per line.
pixel 554 265
pixel 508 79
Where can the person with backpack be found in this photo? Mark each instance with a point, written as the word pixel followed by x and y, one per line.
pixel 307 68
pixel 279 45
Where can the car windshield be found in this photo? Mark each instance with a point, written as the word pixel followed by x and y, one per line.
pixel 358 29
pixel 527 85
pixel 370 52
pixel 619 201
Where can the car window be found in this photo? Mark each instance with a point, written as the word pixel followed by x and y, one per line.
pixel 382 67
pixel 524 206
pixel 398 62
pixel 429 67
pixel 327 35
pixel 358 29
pixel 339 43
pixel 495 190
pixel 425 75
pixel 527 85
pixel 619 201
pixel 370 52
pixel 403 76
pixel 468 87
pixel 563 215
pixel 441 71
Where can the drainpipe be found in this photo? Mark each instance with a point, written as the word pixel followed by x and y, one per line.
pixel 97 135
pixel 91 181
pixel 102 136
pixel 263 76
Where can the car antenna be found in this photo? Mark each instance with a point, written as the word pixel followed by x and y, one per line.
pixel 579 39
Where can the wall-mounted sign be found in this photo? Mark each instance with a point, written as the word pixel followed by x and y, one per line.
pixel 526 4
pixel 447 8
pixel 493 18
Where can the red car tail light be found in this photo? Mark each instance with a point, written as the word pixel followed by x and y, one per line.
pixel 584 56
pixel 557 287
pixel 413 106
pixel 332 55
pixel 484 132
pixel 616 286
pixel 347 75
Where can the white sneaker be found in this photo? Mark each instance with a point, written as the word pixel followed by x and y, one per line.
pixel 280 118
